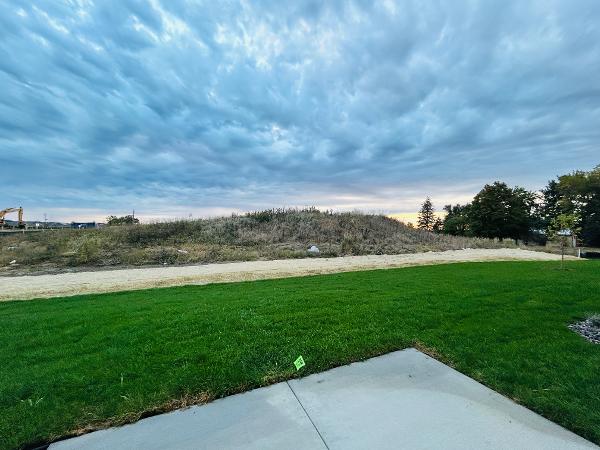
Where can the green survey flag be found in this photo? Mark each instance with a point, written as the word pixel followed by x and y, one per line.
pixel 299 363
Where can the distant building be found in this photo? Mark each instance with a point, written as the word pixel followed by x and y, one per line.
pixel 569 237
pixel 83 225
pixel 38 225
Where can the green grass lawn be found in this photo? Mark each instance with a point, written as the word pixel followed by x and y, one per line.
pixel 80 362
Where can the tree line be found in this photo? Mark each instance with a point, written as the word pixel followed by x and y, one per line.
pixel 123 220
pixel 499 211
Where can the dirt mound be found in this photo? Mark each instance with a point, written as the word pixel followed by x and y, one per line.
pixel 273 234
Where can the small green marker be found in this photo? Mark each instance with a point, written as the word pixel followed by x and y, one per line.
pixel 299 363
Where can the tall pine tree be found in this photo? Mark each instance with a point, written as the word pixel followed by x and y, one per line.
pixel 426 218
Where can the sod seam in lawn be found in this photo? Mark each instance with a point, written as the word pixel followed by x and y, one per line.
pixel 78 362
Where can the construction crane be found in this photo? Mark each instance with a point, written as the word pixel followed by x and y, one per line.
pixel 6 211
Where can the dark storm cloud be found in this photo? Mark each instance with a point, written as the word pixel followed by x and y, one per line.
pixel 208 106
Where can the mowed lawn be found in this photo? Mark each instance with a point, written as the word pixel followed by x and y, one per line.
pixel 76 363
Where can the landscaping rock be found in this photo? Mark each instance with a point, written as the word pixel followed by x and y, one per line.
pixel 589 328
pixel 314 250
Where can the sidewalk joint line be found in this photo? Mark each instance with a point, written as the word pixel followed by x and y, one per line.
pixel 306 412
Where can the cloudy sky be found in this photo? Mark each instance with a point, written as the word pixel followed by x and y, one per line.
pixel 185 107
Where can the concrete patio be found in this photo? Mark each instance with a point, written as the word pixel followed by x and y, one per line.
pixel 400 400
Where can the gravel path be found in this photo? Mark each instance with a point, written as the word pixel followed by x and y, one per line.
pixel 28 287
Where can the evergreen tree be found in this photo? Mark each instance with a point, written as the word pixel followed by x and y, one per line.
pixel 426 217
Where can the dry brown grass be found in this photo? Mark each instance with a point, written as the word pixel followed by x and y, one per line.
pixel 186 401
pixel 272 234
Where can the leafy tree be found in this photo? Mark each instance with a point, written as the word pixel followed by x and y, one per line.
pixel 578 194
pixel 426 218
pixel 500 212
pixel 124 220
pixel 590 222
pixel 456 221
pixel 550 208
pixel 563 227
pixel 524 213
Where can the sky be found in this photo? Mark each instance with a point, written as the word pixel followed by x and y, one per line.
pixel 186 108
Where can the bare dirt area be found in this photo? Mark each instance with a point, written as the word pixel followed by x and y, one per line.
pixel 45 286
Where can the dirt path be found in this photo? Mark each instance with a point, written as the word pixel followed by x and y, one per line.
pixel 28 287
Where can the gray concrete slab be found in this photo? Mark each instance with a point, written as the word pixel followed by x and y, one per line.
pixel 267 418
pixel 408 400
pixel 403 400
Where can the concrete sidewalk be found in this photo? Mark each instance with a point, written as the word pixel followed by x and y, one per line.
pixel 403 400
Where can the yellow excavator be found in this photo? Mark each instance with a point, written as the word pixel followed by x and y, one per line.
pixel 6 211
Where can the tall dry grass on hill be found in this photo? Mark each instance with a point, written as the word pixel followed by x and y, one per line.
pixel 271 234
